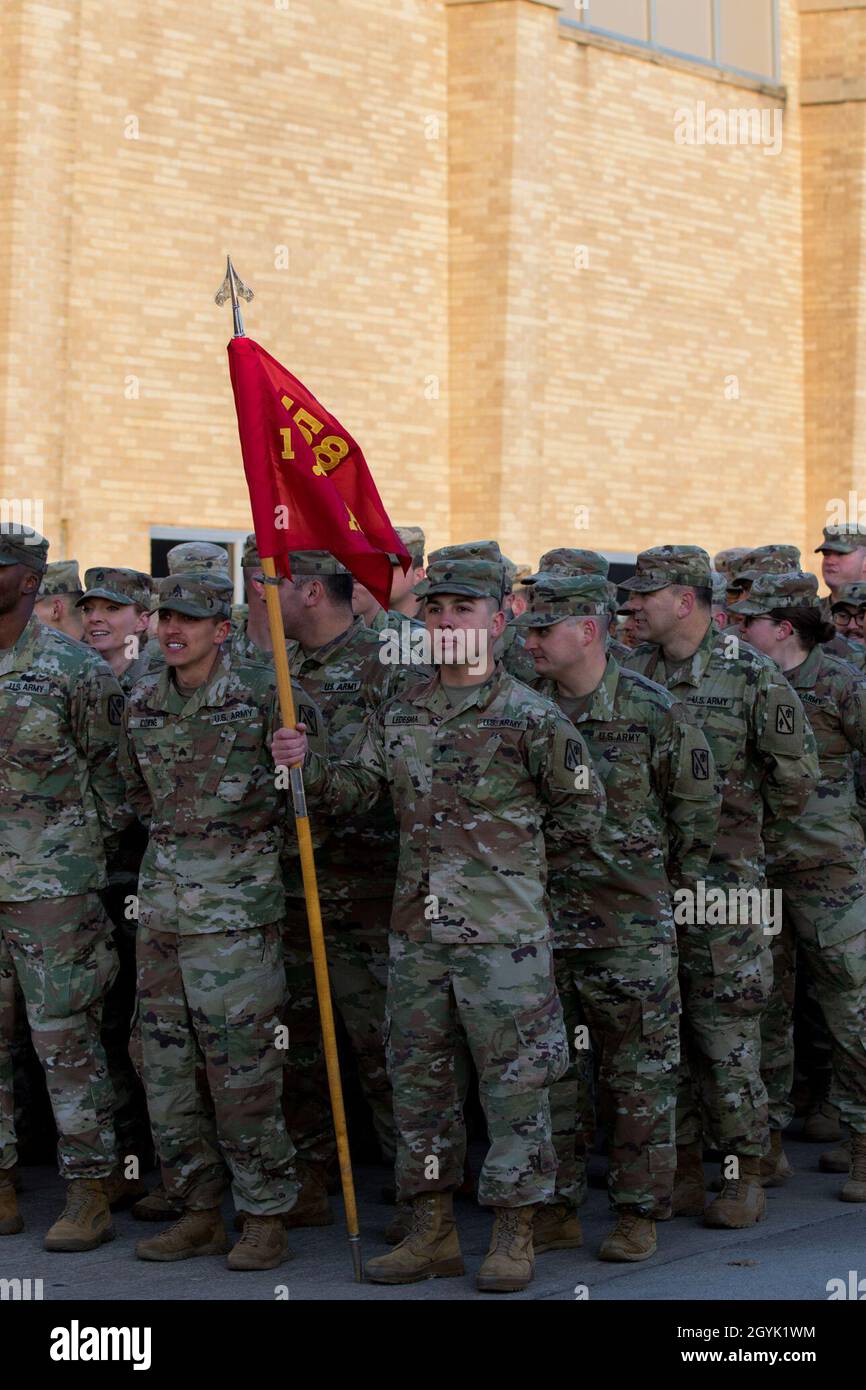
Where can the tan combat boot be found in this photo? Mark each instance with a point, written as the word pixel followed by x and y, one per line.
pixel 10 1217
pixel 855 1188
pixel 822 1125
pixel 196 1233
pixel 689 1194
pixel 836 1160
pixel 510 1262
pixel 556 1227
pixel 633 1237
pixel 741 1201
pixel 263 1245
pixel 85 1221
pixel 122 1191
pixel 156 1206
pixel 430 1251
pixel 775 1168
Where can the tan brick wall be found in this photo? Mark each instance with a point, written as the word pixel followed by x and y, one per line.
pixel 258 127
pixel 611 391
pixel 432 170
pixel 834 249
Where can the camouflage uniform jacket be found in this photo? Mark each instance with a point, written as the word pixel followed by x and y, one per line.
pixel 763 748
pixel 662 812
pixel 510 650
pixel 61 795
pixel 200 773
pixel 347 681
pixel 143 665
pixel 827 830
pixel 478 788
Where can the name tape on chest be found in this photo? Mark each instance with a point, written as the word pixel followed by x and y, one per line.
pixel 238 715
pixel 619 735
pixel 147 721
pixel 339 687
pixel 27 687
pixel 392 720
pixel 711 701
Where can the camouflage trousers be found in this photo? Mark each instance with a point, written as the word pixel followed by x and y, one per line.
pixel 726 976
pixel 214 1002
pixel 824 925
pixel 61 952
pixel 358 967
pixel 131 1124
pixel 628 1002
pixel 502 1000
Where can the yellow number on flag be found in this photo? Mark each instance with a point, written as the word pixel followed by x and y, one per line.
pixel 306 424
pixel 288 451
pixel 331 451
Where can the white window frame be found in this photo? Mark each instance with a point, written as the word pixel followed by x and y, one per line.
pixel 209 533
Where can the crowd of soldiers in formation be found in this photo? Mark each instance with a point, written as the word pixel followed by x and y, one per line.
pixel 553 865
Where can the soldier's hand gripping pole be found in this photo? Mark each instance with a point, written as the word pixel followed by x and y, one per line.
pixel 314 918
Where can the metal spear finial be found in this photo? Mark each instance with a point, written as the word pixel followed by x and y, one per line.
pixel 233 286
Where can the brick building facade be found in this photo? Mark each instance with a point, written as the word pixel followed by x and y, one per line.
pixel 497 237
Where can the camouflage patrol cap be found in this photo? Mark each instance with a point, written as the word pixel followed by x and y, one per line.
pixel 849 596
pixel 670 564
pixel 118 585
pixel 196 594
pixel 843 540
pixel 765 559
pixel 795 589
pixel 195 557
pixel 60 577
pixel 474 569
pixel 250 557
pixel 21 545
pixel 305 564
pixel 720 587
pixel 727 561
pixel 555 597
pixel 565 561
pixel 414 540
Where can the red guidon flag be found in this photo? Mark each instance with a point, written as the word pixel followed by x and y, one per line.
pixel 310 487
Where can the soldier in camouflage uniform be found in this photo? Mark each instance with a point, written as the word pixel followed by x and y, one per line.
pixel 577 562
pixel 482 772
pixel 58 592
pixel 251 639
pixel 766 757
pixel 719 605
pixel 817 864
pixel 115 607
pixel 843 561
pixel 847 607
pixel 211 984
pixel 509 647
pixel 404 602
pixel 726 561
pixel 338 663
pixel 61 809
pixel 614 939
